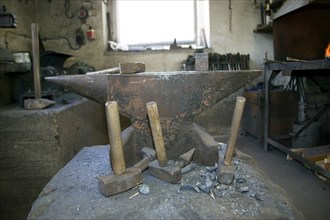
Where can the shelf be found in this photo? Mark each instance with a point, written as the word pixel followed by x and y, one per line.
pixel 276 4
pixel 271 69
pixel 264 28
pixel 299 65
pixel 299 157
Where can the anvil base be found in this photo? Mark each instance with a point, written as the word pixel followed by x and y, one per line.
pixel 190 136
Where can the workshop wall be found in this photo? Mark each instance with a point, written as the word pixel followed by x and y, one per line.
pixel 237 35
pixel 59 22
pixel 18 39
pixel 59 33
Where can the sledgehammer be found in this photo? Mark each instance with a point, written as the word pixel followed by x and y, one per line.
pixel 160 168
pixel 225 170
pixel 121 179
pixel 148 155
pixel 38 102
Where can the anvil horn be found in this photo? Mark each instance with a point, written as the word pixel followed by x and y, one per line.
pixel 94 88
pixel 178 94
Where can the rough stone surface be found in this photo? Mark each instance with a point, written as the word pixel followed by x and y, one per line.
pixel 73 194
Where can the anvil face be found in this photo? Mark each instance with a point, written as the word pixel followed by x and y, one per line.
pixel 179 97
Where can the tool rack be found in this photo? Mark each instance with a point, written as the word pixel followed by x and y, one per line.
pixel 271 69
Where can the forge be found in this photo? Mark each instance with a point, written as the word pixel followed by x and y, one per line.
pixel 179 96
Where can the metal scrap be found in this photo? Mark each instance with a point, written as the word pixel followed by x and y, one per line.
pixel 188 187
pixel 144 189
pixel 188 168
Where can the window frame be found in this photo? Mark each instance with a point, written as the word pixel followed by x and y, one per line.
pixel 201 26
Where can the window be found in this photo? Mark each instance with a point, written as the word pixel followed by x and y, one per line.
pixel 155 24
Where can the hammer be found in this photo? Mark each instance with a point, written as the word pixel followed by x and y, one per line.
pixel 121 179
pixel 125 68
pixel 160 168
pixel 148 155
pixel 225 170
pixel 38 102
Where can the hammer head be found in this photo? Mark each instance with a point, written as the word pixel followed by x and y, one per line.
pixel 37 103
pixel 148 152
pixel 132 67
pixel 148 155
pixel 186 158
pixel 171 174
pixel 225 174
pixel 113 184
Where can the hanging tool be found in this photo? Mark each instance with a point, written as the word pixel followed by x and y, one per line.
pixel 230 14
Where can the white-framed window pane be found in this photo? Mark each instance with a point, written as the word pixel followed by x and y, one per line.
pixel 155 22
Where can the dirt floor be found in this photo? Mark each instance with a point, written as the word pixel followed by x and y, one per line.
pixel 310 194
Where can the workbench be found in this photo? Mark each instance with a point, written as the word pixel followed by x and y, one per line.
pixel 301 69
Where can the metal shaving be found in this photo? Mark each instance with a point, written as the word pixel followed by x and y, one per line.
pixel 188 187
pixel 241 180
pixel 135 194
pixel 212 169
pixel 144 189
pixel 188 168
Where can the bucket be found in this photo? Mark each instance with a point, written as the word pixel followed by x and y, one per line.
pixel 309 137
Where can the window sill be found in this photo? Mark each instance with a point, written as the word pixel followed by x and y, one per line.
pixel 177 50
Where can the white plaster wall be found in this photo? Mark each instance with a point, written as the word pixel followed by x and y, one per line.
pixel 241 38
pixel 53 23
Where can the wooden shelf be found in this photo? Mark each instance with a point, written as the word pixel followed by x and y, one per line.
pixel 264 28
pixel 271 69
pixel 299 65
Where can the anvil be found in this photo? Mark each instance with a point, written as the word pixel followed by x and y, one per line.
pixel 179 96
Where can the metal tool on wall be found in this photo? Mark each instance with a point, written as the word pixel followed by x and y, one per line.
pixel 230 15
pixel 218 61
pixel 7 19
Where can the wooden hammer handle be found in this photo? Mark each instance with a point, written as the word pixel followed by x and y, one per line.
pixel 36 60
pixel 157 133
pixel 116 145
pixel 238 112
pixel 143 164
